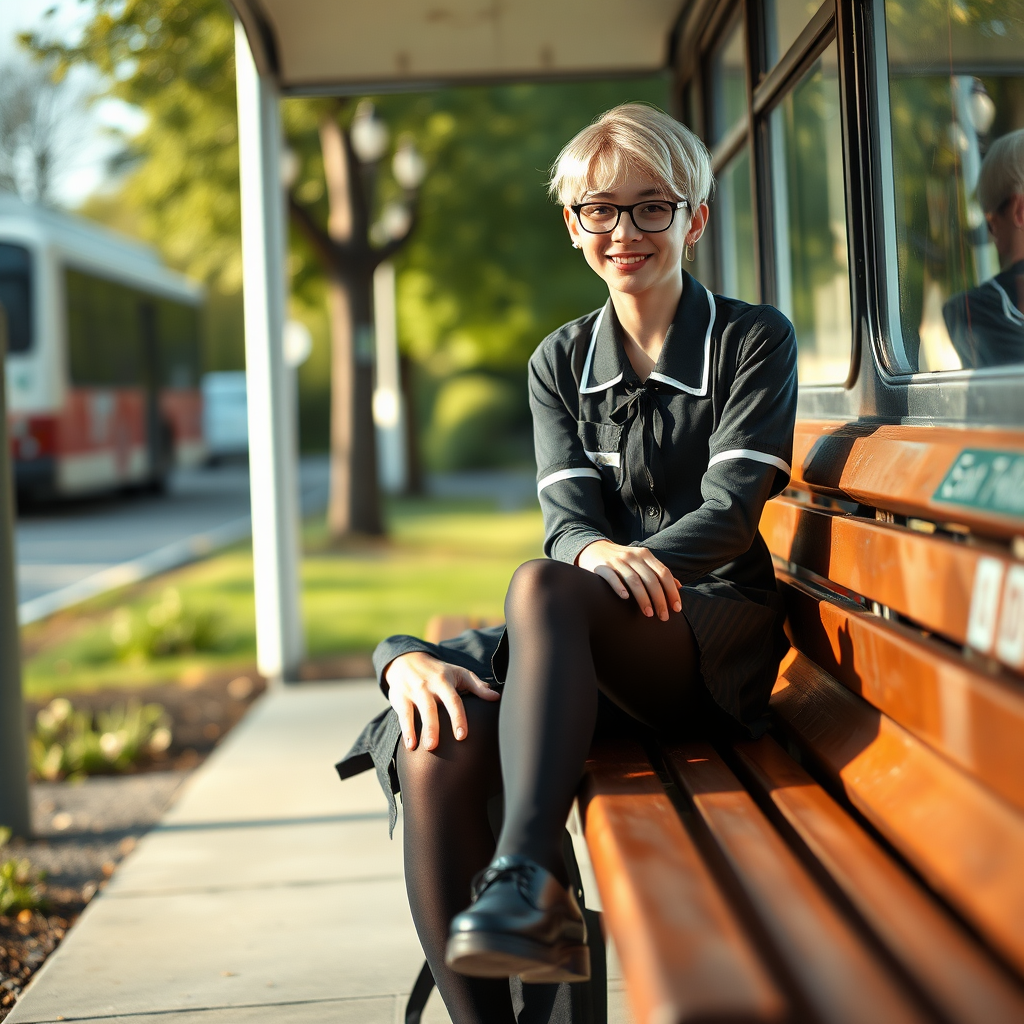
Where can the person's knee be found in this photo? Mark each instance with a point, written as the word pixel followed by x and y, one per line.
pixel 535 584
pixel 452 764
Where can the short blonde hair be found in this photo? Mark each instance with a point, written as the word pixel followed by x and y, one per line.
pixel 1002 172
pixel 637 139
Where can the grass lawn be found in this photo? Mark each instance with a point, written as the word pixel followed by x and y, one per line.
pixel 440 556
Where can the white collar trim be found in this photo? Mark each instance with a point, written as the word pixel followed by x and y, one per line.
pixel 1010 311
pixel 584 390
pixel 661 377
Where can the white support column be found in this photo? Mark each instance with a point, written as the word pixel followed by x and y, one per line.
pixel 388 404
pixel 273 474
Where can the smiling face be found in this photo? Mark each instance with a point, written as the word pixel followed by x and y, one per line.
pixel 628 259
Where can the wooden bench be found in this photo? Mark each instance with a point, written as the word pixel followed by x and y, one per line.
pixel 865 861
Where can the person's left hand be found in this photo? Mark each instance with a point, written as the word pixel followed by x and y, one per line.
pixel 648 578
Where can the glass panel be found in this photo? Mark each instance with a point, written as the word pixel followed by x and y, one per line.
pixel 812 266
pixel 784 20
pixel 728 91
pixel 104 332
pixel 956 87
pixel 733 223
pixel 178 330
pixel 16 296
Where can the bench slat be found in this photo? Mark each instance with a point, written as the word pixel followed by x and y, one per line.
pixel 947 963
pixel 975 720
pixel 839 979
pixel 897 468
pixel 966 842
pixel 684 956
pixel 446 627
pixel 926 578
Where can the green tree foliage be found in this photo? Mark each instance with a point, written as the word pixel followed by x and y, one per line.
pixel 173 59
pixel 489 271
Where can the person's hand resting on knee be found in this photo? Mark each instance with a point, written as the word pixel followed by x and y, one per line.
pixel 623 566
pixel 419 682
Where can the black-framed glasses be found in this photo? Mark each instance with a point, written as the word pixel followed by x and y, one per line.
pixel 650 216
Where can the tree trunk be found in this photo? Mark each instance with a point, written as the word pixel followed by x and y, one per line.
pixel 354 503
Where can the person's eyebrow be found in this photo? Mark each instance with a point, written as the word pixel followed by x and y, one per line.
pixel 644 193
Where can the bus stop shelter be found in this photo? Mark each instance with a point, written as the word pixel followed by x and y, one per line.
pixel 324 47
pixel 321 47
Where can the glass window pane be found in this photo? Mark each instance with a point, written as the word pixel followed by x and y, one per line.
pixel 956 86
pixel 728 90
pixel 812 265
pixel 784 20
pixel 733 224
pixel 16 295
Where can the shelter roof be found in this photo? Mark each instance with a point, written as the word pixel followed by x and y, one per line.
pixel 342 46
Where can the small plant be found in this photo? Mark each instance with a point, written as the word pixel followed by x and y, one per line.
pixel 67 743
pixel 167 629
pixel 20 887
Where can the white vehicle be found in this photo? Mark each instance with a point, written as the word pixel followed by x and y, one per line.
pixel 225 414
pixel 104 357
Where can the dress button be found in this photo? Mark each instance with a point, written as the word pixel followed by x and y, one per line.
pixel 652 512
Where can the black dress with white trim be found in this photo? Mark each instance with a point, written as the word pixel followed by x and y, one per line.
pixel 681 464
pixel 986 324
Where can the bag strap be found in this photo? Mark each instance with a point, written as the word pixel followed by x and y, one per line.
pixel 419 995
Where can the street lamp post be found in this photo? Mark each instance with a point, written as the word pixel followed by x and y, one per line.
pixel 350 250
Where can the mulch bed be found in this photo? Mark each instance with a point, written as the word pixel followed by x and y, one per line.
pixel 29 938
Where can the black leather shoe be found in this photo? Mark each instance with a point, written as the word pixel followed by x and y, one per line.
pixel 521 921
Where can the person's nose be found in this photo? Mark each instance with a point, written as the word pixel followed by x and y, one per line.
pixel 626 230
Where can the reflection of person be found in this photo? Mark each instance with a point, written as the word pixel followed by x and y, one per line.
pixel 663 422
pixel 986 324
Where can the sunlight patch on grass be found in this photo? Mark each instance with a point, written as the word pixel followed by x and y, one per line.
pixel 439 557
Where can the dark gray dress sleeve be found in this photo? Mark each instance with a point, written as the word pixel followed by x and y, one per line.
pixel 750 456
pixel 568 484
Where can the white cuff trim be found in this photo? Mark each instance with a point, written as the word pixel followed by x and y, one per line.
pixel 565 474
pixel 604 458
pixel 755 456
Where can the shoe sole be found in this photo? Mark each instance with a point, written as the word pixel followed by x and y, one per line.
pixel 492 955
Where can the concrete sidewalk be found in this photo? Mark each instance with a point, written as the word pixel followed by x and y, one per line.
pixel 270 891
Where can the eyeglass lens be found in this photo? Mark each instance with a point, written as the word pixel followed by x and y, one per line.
pixel 600 218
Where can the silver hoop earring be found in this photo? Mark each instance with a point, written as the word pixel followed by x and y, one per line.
pixel 689 253
pixel 575 245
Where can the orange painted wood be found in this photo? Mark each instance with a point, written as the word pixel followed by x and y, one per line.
pixel 445 627
pixel 966 842
pixel 947 963
pixel 839 979
pixel 926 578
pixel 684 956
pixel 976 720
pixel 897 468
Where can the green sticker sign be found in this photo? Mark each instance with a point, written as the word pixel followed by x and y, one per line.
pixel 986 480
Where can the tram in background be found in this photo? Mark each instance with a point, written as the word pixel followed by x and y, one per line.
pixel 103 357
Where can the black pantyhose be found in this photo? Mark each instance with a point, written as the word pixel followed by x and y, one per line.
pixel 569 637
pixel 447 840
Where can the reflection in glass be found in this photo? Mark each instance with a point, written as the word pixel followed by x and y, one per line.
pixel 812 265
pixel 784 21
pixel 728 90
pixel 733 222
pixel 956 86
